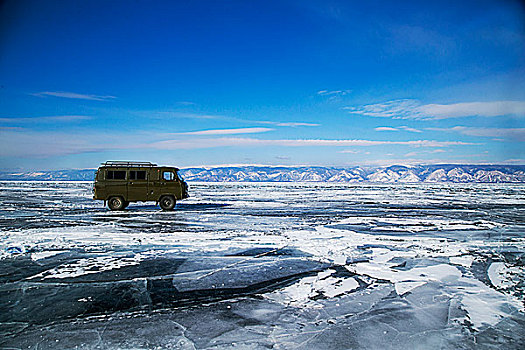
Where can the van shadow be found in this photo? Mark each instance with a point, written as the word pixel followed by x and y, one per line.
pixel 180 207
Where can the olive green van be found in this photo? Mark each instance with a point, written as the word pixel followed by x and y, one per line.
pixel 118 183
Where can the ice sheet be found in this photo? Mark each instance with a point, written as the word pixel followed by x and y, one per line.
pixel 446 259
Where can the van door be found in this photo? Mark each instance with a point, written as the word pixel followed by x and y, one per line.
pixel 154 189
pixel 137 185
pixel 116 183
pixel 168 182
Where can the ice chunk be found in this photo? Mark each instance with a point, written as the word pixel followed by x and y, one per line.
pixel 441 272
pixel 340 287
pixel 303 292
pixel 407 286
pixel 501 275
pixel 91 266
pixel 485 306
pixel 464 260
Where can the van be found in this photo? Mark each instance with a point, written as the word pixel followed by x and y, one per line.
pixel 119 183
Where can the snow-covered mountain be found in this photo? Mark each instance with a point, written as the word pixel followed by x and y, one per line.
pixel 423 173
pixel 56 175
pixel 391 174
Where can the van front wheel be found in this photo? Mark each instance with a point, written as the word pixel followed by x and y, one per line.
pixel 167 202
pixel 116 203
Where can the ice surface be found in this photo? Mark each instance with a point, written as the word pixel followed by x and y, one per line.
pixel 282 265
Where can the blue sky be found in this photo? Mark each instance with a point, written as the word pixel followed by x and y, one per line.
pixel 192 83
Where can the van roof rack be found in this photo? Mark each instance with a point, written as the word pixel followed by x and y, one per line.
pixel 128 163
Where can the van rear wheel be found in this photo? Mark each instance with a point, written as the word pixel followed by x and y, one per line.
pixel 167 202
pixel 116 203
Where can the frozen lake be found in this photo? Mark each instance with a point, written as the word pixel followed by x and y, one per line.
pixel 265 265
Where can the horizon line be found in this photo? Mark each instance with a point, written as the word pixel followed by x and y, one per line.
pixel 215 166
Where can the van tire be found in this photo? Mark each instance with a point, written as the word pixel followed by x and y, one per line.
pixel 116 203
pixel 167 202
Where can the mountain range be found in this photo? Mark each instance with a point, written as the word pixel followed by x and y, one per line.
pixel 390 174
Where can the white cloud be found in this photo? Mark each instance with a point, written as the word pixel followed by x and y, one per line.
pixel 466 109
pixel 58 118
pixel 385 128
pixel 333 93
pixel 514 133
pixel 406 128
pixel 178 115
pixel 423 152
pixel 245 142
pixel 185 115
pixel 396 109
pixel 292 124
pixel 388 128
pixel 46 144
pixel 33 144
pixel 74 95
pixel 413 109
pixel 227 131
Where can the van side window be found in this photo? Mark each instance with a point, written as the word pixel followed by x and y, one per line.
pixel 116 175
pixel 168 176
pixel 137 175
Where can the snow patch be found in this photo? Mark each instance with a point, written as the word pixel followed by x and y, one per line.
pixel 46 254
pixel 90 266
pixel 303 292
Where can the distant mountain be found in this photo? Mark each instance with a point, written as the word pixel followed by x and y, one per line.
pixel 56 175
pixel 421 173
pixel 391 174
